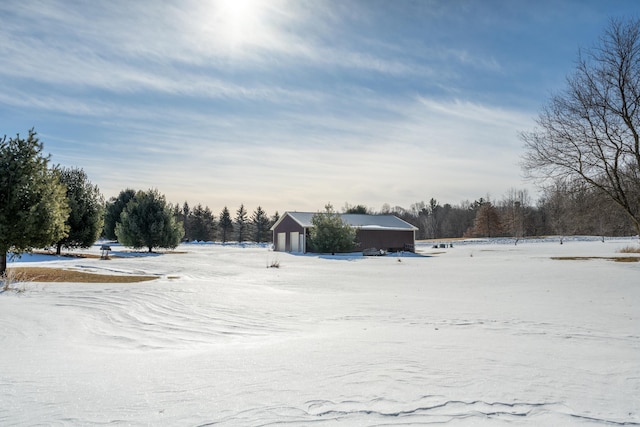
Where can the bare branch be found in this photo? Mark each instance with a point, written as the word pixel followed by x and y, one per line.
pixel 589 132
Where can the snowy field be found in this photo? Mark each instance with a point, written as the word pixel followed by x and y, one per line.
pixel 484 333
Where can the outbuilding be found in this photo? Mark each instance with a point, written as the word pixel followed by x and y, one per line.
pixel 386 232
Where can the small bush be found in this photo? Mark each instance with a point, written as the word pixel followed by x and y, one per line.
pixel 274 264
pixel 10 279
pixel 630 250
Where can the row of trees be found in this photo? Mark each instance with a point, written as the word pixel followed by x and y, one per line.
pixel 199 223
pixel 565 208
pixel 42 206
pixel 202 225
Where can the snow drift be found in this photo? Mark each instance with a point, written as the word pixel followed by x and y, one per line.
pixel 479 334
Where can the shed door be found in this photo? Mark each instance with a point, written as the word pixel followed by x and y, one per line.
pixel 294 237
pixel 281 244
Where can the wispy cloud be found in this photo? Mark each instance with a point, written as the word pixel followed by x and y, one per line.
pixel 445 146
pixel 293 105
pixel 138 47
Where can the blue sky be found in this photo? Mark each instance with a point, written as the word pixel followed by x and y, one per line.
pixel 291 104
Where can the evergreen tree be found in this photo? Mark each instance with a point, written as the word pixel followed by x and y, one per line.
pixel 261 224
pixel 185 216
pixel 86 216
pixel 330 233
pixel 113 209
pixel 225 224
pixel 202 224
pixel 209 224
pixel 147 221
pixel 357 209
pixel 274 219
pixel 241 223
pixel 176 211
pixel 33 206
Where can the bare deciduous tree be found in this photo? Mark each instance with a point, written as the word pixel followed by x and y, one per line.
pixel 514 207
pixel 590 131
pixel 559 210
pixel 487 222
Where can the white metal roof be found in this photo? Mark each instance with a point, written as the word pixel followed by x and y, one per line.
pixel 365 222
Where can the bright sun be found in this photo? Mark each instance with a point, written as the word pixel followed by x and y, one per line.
pixel 240 21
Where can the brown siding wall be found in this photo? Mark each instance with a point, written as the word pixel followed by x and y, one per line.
pixel 387 240
pixel 287 225
pixel 379 239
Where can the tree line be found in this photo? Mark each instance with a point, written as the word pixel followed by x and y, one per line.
pixel 202 225
pixel 564 209
pixel 43 206
pixel 199 223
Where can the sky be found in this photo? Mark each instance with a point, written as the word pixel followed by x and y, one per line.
pixel 290 105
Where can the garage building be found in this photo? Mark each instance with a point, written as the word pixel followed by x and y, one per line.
pixel 386 232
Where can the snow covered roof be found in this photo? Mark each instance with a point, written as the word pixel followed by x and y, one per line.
pixel 365 222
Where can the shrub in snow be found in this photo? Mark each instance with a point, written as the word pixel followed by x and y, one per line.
pixel 274 264
pixel 330 233
pixel 9 279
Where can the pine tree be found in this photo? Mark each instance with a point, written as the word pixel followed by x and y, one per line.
pixel 209 224
pixel 241 223
pixel 113 209
pixel 176 211
pixel 261 224
pixel 225 224
pixel 185 215
pixel 147 221
pixel 330 233
pixel 274 219
pixel 357 209
pixel 86 216
pixel 33 206
pixel 203 225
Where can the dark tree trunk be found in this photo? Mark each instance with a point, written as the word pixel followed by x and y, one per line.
pixel 58 248
pixel 150 249
pixel 3 263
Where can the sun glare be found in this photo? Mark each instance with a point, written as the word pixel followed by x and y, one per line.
pixel 239 28
pixel 240 22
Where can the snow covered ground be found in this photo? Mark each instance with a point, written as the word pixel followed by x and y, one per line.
pixel 484 333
